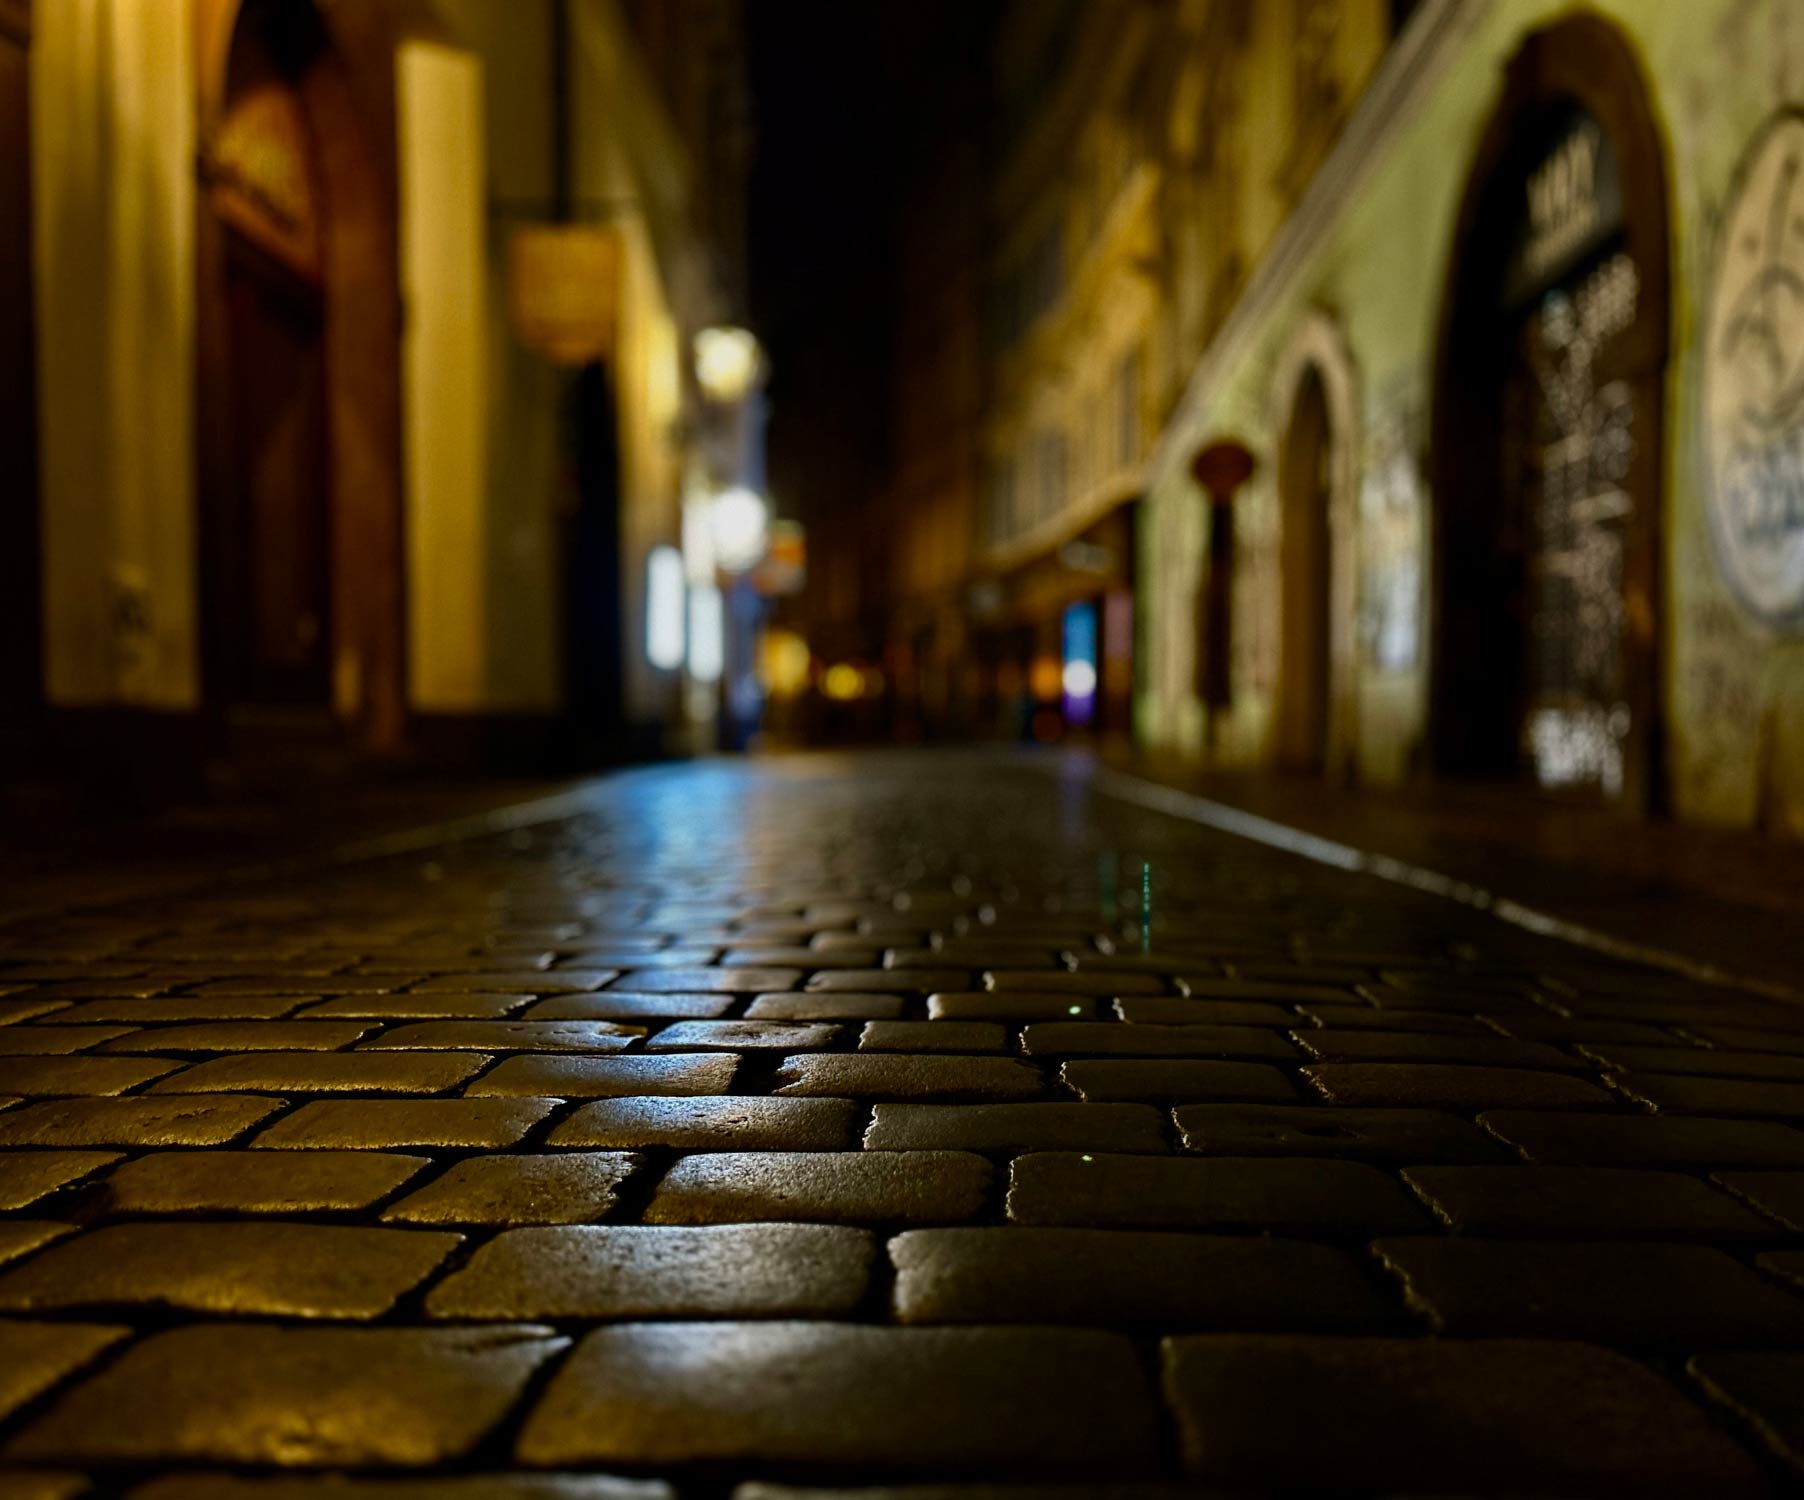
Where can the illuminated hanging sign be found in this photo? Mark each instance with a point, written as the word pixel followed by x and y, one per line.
pixel 563 290
pixel 665 605
pixel 1753 382
pixel 1078 680
pixel 1571 204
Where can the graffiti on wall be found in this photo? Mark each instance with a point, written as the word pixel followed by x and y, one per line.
pixel 1391 540
pixel 1753 381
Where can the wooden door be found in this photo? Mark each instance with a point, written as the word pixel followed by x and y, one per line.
pixel 278 584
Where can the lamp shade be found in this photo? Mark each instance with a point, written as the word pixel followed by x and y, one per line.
pixel 563 290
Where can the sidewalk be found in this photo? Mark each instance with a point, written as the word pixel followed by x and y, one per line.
pixel 1728 901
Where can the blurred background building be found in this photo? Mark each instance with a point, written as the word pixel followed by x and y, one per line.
pixel 1374 391
pixel 1370 390
pixel 365 409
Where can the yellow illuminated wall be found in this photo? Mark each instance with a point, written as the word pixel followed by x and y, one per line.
pixel 439 129
pixel 113 179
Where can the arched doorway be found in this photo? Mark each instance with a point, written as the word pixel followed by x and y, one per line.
pixel 1547 442
pixel 299 382
pixel 1305 549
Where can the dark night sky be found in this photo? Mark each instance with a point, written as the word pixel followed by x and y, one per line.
pixel 844 92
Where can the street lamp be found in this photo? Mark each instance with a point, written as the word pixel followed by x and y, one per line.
pixel 739 522
pixel 727 363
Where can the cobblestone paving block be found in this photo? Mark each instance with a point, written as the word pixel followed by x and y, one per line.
pixel 286 1269
pixel 715 1124
pixel 1112 1039
pixel 26 1176
pixel 506 1036
pixel 569 1188
pixel 1766 1390
pixel 1672 1093
pixel 1455 1087
pixel 1213 987
pixel 894 1075
pixel 28 1008
pixel 1397 1136
pixel 1104 1080
pixel 800 956
pixel 410 1007
pixel 326 1073
pixel 256 1182
pixel 1333 1198
pixel 1176 1010
pixel 212 1121
pixel 932 1036
pixel 244 1036
pixel 889 981
pixel 1038 1400
pixel 1598 1202
pixel 1599 1140
pixel 19 1237
pixel 616 1005
pixel 1518 1416
pixel 1637 1295
pixel 874 1187
pixel 59 1041
pixel 1545 1028
pixel 1735 1038
pixel 1125 1278
pixel 1780 1195
pixel 440 1487
pixel 986 1005
pixel 1016 1127
pixel 641 1271
pixel 743 1036
pixel 532 981
pixel 1370 1018
pixel 192 1008
pixel 808 1006
pixel 562 1076
pixel 1403 1046
pixel 301 983
pixel 89 1077
pixel 36 1356
pixel 1053 982
pixel 294 1397
pixel 749 980
pixel 1099 1490
pixel 1698 1062
pixel 395 1124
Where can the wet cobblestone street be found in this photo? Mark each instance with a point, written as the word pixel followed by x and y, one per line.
pixel 873 1125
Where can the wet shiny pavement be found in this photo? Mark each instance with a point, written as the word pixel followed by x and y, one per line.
pixel 922 1124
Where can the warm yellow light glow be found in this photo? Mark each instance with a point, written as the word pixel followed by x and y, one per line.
pixel 1046 677
pixel 727 362
pixel 740 522
pixel 783 662
pixel 563 289
pixel 842 682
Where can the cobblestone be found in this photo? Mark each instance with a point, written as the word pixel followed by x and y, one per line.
pixel 908 1398
pixel 636 1271
pixel 571 1188
pixel 1520 1416
pixel 714 1124
pixel 831 1187
pixel 295 1173
pixel 268 1269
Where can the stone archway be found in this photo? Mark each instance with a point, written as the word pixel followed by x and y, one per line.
pixel 1547 444
pixel 1315 419
pixel 299 321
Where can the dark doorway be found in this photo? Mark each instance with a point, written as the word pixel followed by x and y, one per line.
pixel 277 592
pixel 1547 443
pixel 1305 570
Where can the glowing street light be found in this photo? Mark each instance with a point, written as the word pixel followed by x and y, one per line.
pixel 727 363
pixel 739 524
